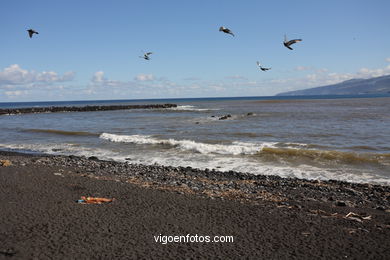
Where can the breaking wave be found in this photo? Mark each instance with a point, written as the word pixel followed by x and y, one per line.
pixel 191 108
pixel 268 151
pixel 60 149
pixel 196 160
pixel 235 148
pixel 325 155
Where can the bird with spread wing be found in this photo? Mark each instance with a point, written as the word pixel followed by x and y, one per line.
pixel 261 67
pixel 146 55
pixel 31 32
pixel 287 43
pixel 226 30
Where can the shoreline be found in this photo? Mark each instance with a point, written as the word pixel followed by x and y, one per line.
pixel 217 184
pixel 57 109
pixel 268 216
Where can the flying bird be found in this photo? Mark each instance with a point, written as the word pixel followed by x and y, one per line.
pixel 225 30
pixel 31 32
pixel 261 67
pixel 290 42
pixel 146 55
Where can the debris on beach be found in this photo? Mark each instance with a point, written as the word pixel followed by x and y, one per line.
pixel 349 216
pixel 356 230
pixel 357 217
pixel 323 214
pixel 94 200
pixel 5 163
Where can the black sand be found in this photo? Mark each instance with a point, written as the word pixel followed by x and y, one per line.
pixel 268 217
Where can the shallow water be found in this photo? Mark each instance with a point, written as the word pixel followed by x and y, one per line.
pixel 306 137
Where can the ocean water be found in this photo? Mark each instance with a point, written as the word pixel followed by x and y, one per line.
pixel 328 137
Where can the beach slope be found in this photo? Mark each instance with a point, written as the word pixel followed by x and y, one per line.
pixel 268 217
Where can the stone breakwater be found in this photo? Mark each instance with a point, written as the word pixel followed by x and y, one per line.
pixel 53 109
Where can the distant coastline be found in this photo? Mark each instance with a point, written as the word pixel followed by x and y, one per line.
pixel 162 101
pixel 371 86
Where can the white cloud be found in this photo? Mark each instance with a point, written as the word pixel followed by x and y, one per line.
pixel 149 86
pixel 322 77
pixel 322 70
pixel 18 83
pixel 192 78
pixel 15 75
pixel 310 68
pixel 217 88
pixel 144 77
pixel 302 68
pixel 314 78
pixel 146 84
pixel 368 73
pixel 98 77
pixel 237 77
pixel 98 80
pixel 47 76
pixel 68 76
pixel 388 59
pixel 89 91
pixel 325 78
pixel 16 93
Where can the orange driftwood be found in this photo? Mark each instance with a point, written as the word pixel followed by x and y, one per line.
pixel 95 200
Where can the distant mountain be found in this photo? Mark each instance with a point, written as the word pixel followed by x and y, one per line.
pixel 378 85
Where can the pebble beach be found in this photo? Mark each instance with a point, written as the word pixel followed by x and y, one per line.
pixel 268 216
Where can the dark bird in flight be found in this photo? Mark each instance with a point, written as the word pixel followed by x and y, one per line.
pixel 146 55
pixel 290 42
pixel 225 30
pixel 261 67
pixel 31 32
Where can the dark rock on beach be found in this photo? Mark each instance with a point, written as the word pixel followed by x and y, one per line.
pixel 53 109
pixel 268 217
pixel 225 117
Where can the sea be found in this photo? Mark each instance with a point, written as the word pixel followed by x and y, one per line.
pixel 343 138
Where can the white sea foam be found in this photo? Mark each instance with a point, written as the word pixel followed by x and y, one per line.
pixel 203 161
pixel 65 149
pixel 235 148
pixel 226 163
pixel 191 108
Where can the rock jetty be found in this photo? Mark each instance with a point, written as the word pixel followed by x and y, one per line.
pixel 53 109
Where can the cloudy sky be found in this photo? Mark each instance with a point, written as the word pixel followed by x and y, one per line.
pixel 90 50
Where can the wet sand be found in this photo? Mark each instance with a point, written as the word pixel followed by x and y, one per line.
pixel 268 217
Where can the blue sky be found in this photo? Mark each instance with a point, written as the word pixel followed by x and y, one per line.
pixel 89 50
